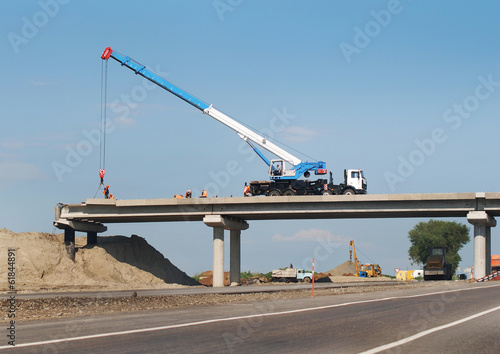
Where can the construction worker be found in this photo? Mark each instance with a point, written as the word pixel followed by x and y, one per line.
pixel 188 193
pixel 111 196
pixel 246 190
pixel 106 192
pixel 203 194
pixel 178 196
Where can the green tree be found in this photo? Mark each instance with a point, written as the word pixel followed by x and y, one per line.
pixel 450 235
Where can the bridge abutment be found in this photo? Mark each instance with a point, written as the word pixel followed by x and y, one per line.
pixel 482 241
pixel 219 224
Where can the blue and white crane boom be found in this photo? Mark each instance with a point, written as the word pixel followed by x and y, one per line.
pixel 244 133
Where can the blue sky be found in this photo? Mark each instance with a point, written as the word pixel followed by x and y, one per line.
pixel 406 90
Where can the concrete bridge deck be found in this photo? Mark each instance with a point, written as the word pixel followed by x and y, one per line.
pixel 276 208
pixel 234 212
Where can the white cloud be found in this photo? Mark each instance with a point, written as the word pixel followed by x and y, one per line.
pixel 123 121
pixel 311 235
pixel 41 83
pixel 16 171
pixel 298 134
pixel 13 144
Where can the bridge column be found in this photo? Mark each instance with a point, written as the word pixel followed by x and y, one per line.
pixel 219 224
pixel 69 242
pixel 482 241
pixel 218 268
pixel 91 238
pixel 235 257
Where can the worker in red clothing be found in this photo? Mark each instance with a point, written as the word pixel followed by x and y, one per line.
pixel 106 192
pixel 246 190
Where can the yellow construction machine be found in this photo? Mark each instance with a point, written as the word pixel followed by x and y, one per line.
pixel 366 270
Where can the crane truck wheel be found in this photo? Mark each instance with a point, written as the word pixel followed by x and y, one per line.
pixel 307 280
pixel 274 193
pixel 327 192
pixel 289 192
pixel 349 191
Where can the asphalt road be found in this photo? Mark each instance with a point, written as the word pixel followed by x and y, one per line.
pixel 446 319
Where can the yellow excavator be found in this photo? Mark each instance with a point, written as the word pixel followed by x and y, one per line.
pixel 366 270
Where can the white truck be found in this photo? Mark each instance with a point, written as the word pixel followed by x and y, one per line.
pixel 290 274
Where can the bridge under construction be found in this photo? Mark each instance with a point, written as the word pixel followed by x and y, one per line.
pixel 233 214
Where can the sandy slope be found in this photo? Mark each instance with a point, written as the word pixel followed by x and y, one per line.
pixel 116 262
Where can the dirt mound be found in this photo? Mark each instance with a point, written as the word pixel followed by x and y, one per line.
pixel 347 267
pixel 115 262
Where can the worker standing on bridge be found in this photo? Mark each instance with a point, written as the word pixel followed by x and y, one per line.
pixel 106 192
pixel 203 194
pixel 188 193
pixel 246 190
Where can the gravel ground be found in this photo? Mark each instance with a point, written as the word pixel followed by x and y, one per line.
pixel 50 308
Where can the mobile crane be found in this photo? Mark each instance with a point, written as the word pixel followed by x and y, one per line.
pixel 284 172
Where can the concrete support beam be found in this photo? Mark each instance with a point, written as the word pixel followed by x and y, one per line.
pixel 482 241
pixel 69 243
pixel 80 225
pixel 235 257
pixel 225 222
pixel 218 268
pixel 91 238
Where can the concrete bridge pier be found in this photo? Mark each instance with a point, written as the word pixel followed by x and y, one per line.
pixel 482 241
pixel 69 242
pixel 219 224
pixel 235 257
pixel 91 238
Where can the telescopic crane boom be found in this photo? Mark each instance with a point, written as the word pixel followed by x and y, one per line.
pixel 299 167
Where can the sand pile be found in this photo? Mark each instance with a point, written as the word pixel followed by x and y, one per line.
pixel 347 267
pixel 115 262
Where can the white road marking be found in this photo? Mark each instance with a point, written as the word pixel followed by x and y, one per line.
pixel 198 323
pixel 429 331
